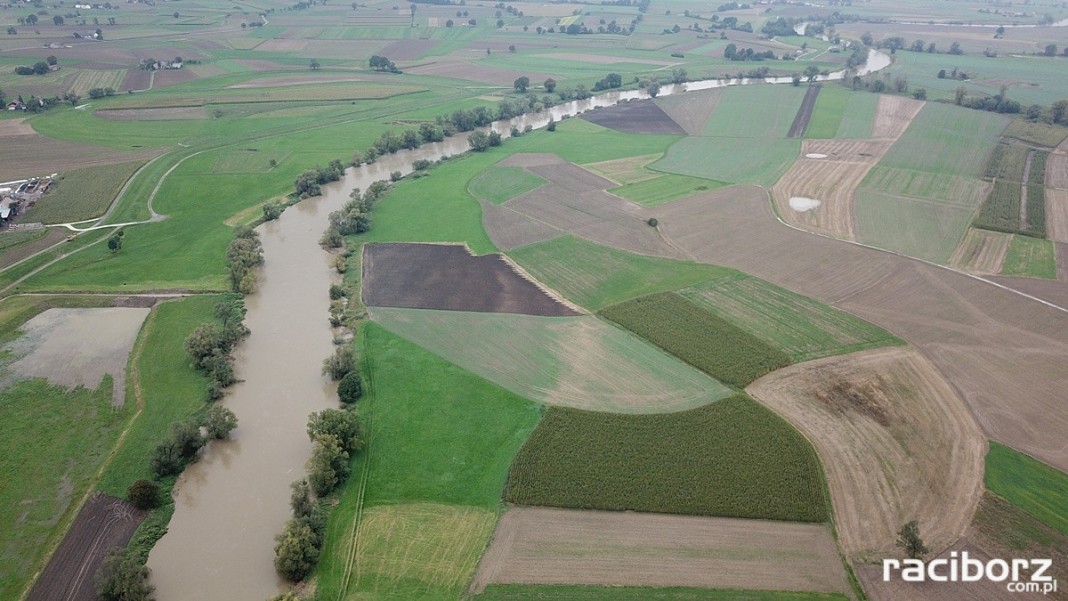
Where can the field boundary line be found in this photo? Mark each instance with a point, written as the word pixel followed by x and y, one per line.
pixel 133 373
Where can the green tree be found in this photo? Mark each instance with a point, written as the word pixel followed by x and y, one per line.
pixel 1051 50
pixel 550 85
pixel 328 465
pixel 300 498
pixel 166 459
pixel 350 389
pixel 296 552
pixel 57 20
pixel 653 89
pixel 340 363
pixel 908 538
pixel 219 422
pixel 811 72
pixel 1058 112
pixel 115 241
pixel 314 64
pixel 144 494
pixel 40 68
pixel 521 84
pixel 122 578
pixel 339 423
pixel 187 438
pixel 478 141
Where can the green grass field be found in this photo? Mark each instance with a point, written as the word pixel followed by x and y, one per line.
pixel 1031 257
pixel 858 117
pixel 917 227
pixel 951 189
pixel 731 458
pixel 760 111
pixel 830 110
pixel 501 184
pixel 543 592
pixel 81 194
pixel 947 140
pixel 1040 133
pixel 698 337
pixel 1031 485
pixel 734 160
pixel 664 188
pixel 802 328
pixel 572 361
pixel 596 276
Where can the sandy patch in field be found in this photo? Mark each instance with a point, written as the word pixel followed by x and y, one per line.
pixel 981 251
pixel 295 80
pixel 815 155
pixel 893 115
pixel 896 441
pixel 991 344
pixel 691 110
pixel 802 204
pixel 78 347
pixel 537 545
pixel 833 180
pixel 601 59
pixel 15 127
pixel 183 113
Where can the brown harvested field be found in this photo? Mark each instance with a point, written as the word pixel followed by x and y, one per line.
pixel 78 347
pixel 181 113
pixel 282 45
pixel 1057 214
pixel 691 110
pixel 539 545
pixel 295 80
pixel 1053 291
pixel 896 441
pixel 408 50
pixel 14 254
pixel 509 229
pixel 1057 168
pixel 893 116
pixel 575 201
pixel 15 127
pixel 449 277
pixel 1060 250
pixel 804 112
pixel 635 117
pixel 258 65
pixel 602 59
pixel 990 343
pixel 625 171
pixel 103 524
pixel 981 251
pixel 136 79
pixel 831 180
pixel 169 77
pixel 459 69
pixel 50 155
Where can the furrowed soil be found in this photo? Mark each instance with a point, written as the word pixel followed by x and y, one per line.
pixel 635 117
pixel 536 545
pixel 691 110
pixel 50 155
pixel 832 181
pixel 896 441
pixel 804 113
pixel 1057 167
pixel 449 277
pixel 103 524
pixel 509 229
pixel 981 251
pixel 1057 214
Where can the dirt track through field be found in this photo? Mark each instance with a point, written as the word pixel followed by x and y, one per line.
pixel 1057 167
pixel 804 112
pixel 981 251
pixel 1057 214
pixel 831 180
pixel 896 441
pixel 893 115
pixel 537 545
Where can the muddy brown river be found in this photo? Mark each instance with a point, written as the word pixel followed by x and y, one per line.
pixel 230 505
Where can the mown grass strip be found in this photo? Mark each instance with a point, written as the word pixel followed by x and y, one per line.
pixel 1031 485
pixel 547 592
pixel 698 337
pixel 732 458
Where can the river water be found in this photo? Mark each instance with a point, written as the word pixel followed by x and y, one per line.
pixel 231 503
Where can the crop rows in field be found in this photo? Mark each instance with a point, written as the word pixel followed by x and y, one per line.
pixel 1001 211
pixel 88 79
pixel 82 193
pixel 802 328
pixel 1038 133
pixel 1012 176
pixel 1007 162
pixel 732 458
pixel 947 140
pixel 698 337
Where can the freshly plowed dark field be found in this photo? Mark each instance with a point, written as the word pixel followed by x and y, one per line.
pixel 448 277
pixel 104 523
pixel 635 117
pixel 797 128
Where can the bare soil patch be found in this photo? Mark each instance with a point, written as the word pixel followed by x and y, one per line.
pixel 1057 168
pixel 981 251
pixel 15 127
pixel 78 347
pixel 408 50
pixel 181 113
pixel 804 112
pixel 50 156
pixel 832 180
pixel 449 277
pixel 169 77
pixel 283 45
pixel 1057 214
pixel 509 229
pixel 136 79
pixel 14 254
pixel 691 110
pixel 990 343
pixel 1054 291
pixel 893 115
pixel 575 201
pixel 896 441
pixel 635 117
pixel 536 545
pixel 103 524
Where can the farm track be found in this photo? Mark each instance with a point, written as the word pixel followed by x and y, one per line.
pixel 804 113
pixel 1023 191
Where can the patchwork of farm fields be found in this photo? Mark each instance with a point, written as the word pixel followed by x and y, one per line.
pixel 732 458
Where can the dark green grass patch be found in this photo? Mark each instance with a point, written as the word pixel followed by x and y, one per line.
pixel 733 458
pixel 827 114
pixel 1031 257
pixel 548 592
pixel 81 193
pixel 1001 209
pixel 501 184
pixel 1031 485
pixel 698 337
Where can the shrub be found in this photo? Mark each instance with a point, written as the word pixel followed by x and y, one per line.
pixel 166 459
pixel 122 578
pixel 328 465
pixel 144 494
pixel 350 389
pixel 219 422
pixel 295 553
pixel 187 438
pixel 341 424
pixel 336 292
pixel 300 498
pixel 340 363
